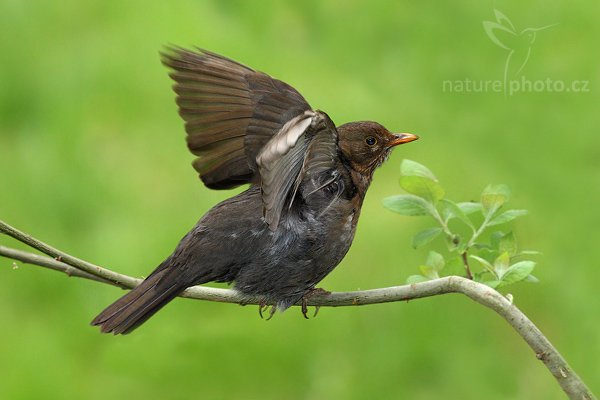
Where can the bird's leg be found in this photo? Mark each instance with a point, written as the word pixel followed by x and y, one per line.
pixel 272 312
pixel 307 296
pixel 261 306
pixel 304 307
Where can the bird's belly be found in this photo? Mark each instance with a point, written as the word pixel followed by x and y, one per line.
pixel 299 256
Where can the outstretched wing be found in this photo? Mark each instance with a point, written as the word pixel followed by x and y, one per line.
pixel 305 146
pixel 230 113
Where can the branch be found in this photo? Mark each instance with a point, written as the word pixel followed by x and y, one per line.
pixel 569 381
pixel 51 263
pixel 114 277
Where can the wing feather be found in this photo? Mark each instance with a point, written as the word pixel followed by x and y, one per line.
pixel 221 101
pixel 286 160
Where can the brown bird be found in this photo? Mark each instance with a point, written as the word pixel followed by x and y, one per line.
pixel 296 221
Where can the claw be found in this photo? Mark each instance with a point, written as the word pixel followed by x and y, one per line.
pixel 307 296
pixel 272 312
pixel 261 307
pixel 304 307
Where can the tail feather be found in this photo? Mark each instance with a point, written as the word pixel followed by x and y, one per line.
pixel 134 308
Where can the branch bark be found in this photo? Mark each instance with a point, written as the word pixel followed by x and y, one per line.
pixel 544 351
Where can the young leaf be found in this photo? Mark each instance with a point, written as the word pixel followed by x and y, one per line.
pixel 461 247
pixel 488 254
pixel 486 264
pixel 407 204
pixel 425 236
pixel 501 264
pixel 532 279
pixel 529 253
pixel 425 188
pixel 494 196
pixel 413 168
pixel 469 207
pixel 452 210
pixel 492 284
pixel 416 279
pixel 508 244
pixel 506 216
pixel 495 239
pixel 454 266
pixel 435 260
pixel 517 272
pixel 429 272
pixel 478 276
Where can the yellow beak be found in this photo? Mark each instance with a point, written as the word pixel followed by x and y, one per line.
pixel 401 138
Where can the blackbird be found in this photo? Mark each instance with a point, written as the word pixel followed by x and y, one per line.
pixel 296 221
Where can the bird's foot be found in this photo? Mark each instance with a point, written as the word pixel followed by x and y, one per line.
pixel 263 306
pixel 307 296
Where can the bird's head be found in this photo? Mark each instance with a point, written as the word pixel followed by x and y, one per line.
pixel 530 33
pixel 366 145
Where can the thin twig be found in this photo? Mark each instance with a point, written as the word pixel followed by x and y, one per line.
pixel 569 381
pixel 51 263
pixel 465 260
pixel 115 277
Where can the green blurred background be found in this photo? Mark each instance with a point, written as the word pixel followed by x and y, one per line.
pixel 93 160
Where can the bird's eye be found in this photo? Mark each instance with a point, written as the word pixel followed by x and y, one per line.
pixel 371 140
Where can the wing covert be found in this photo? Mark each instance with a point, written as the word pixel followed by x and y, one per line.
pixel 304 146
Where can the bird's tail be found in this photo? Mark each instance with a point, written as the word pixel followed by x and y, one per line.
pixel 133 309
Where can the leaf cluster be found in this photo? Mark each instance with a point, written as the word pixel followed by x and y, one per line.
pixel 498 259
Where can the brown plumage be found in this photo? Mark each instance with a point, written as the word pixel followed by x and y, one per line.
pixel 307 178
pixel 230 113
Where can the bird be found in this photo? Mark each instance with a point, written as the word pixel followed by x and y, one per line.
pixel 307 180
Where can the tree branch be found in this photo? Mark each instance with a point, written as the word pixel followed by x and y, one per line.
pixel 51 263
pixel 569 381
pixel 114 277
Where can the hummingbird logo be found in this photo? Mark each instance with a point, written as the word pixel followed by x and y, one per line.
pixel 518 44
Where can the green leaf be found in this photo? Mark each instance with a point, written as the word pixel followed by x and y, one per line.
pixel 425 188
pixel 425 236
pixel 454 266
pixel 532 279
pixel 486 264
pixel 506 216
pixel 415 279
pixel 493 197
pixel 488 254
pixel 407 204
pixel 462 246
pixel 469 207
pixel 501 264
pixel 495 239
pixel 508 244
pixel 452 210
pixel 429 272
pixel 492 284
pixel 435 260
pixel 413 168
pixel 478 276
pixel 517 272
pixel 529 253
